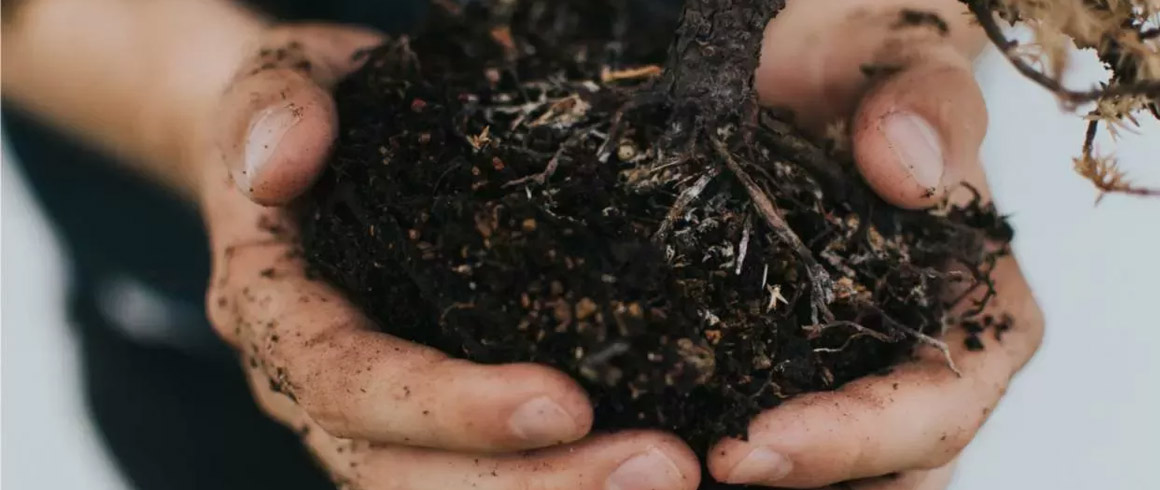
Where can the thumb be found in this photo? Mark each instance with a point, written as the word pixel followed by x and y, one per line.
pixel 917 133
pixel 277 121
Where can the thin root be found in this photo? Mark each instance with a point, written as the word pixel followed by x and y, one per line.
pixel 542 177
pixel 925 339
pixel 816 330
pixel 820 282
pixel 846 344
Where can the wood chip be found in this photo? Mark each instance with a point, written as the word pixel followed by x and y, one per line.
pixel 609 75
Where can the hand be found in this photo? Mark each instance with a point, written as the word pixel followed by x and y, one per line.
pixel 916 135
pixel 377 411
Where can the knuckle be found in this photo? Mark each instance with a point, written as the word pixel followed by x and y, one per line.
pixel 333 410
pixel 329 399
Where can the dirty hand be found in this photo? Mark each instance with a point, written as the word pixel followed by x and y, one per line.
pixel 377 411
pixel 916 131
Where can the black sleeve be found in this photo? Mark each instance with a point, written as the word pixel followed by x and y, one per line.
pixel 386 15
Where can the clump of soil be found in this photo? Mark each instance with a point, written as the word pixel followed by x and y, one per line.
pixel 523 189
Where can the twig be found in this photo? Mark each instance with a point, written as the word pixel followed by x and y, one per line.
pixel 648 71
pixel 774 296
pixel 1103 172
pixel 683 201
pixel 604 354
pixel 820 282
pixel 744 245
pixel 1089 137
pixel 1147 88
pixel 542 177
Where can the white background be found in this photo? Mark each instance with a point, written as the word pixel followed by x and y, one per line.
pixel 1083 415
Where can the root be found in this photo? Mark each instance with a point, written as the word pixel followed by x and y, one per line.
pixel 821 285
pixel 840 348
pixel 645 99
pixel 922 338
pixel 982 278
pixel 683 201
pixel 542 177
pixel 798 149
pixel 454 307
pixel 816 330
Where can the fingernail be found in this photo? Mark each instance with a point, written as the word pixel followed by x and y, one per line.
pixel 541 420
pixel 917 145
pixel 762 465
pixel 650 470
pixel 266 131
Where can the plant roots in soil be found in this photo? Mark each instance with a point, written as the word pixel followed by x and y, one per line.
pixel 526 188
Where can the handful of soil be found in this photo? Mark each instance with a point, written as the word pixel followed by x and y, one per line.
pixel 525 188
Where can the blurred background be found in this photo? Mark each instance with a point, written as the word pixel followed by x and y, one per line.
pixel 1081 415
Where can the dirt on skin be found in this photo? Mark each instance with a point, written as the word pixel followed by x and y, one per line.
pixel 517 186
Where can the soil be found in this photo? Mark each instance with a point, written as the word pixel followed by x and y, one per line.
pixel 520 185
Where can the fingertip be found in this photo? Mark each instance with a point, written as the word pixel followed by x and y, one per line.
pixel 811 441
pixel 546 406
pixel 760 462
pixel 901 156
pixel 729 461
pixel 286 144
pixel 662 461
pixel 683 458
pixel 918 133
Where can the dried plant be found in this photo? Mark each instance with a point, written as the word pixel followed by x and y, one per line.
pixel 1124 34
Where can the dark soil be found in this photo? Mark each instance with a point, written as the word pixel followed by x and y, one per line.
pixel 517 188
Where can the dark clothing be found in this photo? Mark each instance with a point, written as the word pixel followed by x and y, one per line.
pixel 168 398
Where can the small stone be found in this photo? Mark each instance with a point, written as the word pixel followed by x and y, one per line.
pixel 585 308
pixel 626 151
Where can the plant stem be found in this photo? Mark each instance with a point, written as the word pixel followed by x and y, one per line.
pixel 711 63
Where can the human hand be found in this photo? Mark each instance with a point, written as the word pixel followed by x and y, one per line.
pixel 916 131
pixel 377 411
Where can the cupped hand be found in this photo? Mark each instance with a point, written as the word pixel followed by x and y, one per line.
pixel 377 411
pixel 902 79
